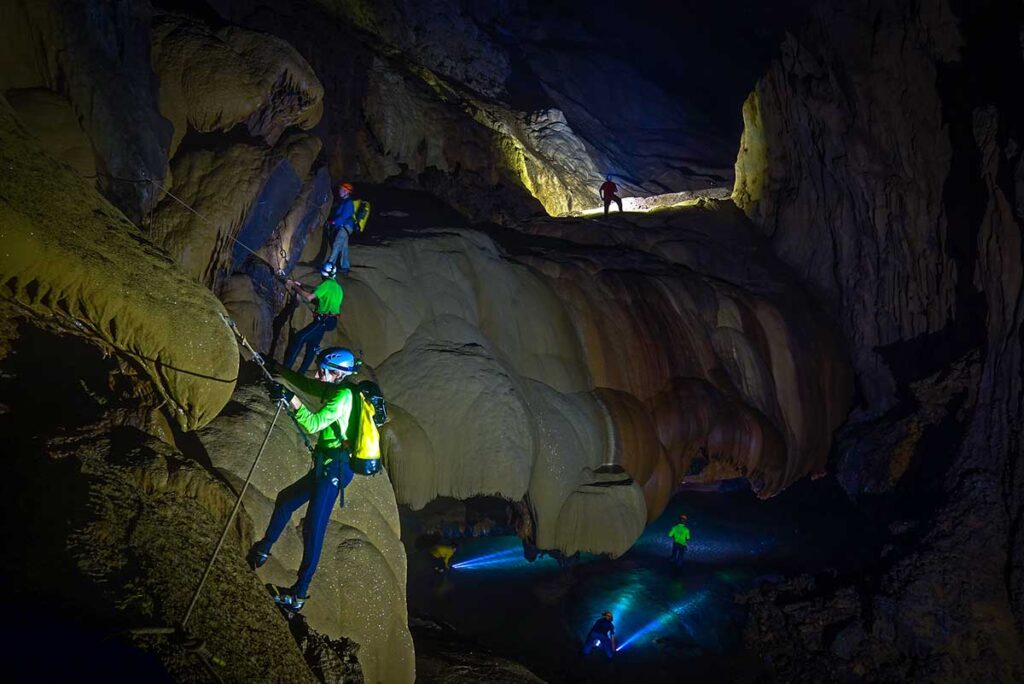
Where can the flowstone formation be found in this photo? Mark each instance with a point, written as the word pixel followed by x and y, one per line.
pixel 229 196
pixel 882 159
pixel 520 369
pixel 71 258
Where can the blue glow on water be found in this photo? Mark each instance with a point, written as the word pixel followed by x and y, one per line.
pixel 677 613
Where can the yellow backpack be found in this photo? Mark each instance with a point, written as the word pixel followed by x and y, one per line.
pixel 365 443
pixel 360 214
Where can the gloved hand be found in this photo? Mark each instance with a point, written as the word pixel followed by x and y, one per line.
pixel 279 392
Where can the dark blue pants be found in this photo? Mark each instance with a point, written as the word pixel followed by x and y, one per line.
pixel 678 553
pixel 320 491
pixel 596 640
pixel 310 337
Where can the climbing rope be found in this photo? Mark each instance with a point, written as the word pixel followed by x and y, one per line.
pixel 257 358
pixel 281 404
pixel 231 517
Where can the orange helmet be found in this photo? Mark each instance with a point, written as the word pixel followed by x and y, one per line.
pixel 346 186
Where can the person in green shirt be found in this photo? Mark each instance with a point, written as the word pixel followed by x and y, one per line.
pixel 327 298
pixel 330 474
pixel 680 535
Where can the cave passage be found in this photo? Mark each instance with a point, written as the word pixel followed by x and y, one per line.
pixel 670 623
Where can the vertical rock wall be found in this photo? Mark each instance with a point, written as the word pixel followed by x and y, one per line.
pixel 882 158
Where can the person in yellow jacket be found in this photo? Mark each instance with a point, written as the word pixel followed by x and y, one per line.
pixel 442 553
pixel 680 535
pixel 329 476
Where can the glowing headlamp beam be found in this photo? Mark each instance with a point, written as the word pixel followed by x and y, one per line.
pixel 663 620
pixel 497 558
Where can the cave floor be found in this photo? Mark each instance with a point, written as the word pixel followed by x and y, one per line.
pixel 672 624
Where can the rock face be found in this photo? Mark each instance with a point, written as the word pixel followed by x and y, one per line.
pixel 903 214
pixel 95 55
pixel 110 527
pixel 71 257
pixel 214 80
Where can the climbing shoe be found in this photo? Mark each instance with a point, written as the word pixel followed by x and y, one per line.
pixel 289 601
pixel 256 557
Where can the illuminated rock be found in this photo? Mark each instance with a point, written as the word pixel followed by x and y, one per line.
pixel 72 258
pixel 51 118
pixel 213 80
pixel 240 194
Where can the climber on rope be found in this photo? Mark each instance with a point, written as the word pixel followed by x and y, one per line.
pixel 602 635
pixel 327 299
pixel 331 471
pixel 680 535
pixel 608 190
pixel 343 221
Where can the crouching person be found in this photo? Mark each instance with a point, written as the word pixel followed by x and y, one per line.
pixel 331 472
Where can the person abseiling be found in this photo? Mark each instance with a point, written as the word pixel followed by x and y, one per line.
pixel 602 635
pixel 344 222
pixel 680 535
pixel 608 190
pixel 327 298
pixel 329 476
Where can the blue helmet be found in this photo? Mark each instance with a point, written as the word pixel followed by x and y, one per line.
pixel 328 270
pixel 338 359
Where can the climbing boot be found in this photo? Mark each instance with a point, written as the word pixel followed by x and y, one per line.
pixel 289 601
pixel 256 557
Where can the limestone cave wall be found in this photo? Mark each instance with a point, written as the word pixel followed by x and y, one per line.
pixel 882 160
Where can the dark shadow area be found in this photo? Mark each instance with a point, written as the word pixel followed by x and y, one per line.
pixel 672 624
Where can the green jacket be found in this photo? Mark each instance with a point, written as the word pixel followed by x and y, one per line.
pixel 328 297
pixel 680 534
pixel 331 422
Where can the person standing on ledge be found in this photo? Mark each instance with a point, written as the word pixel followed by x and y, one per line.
pixel 327 299
pixel 331 472
pixel 602 635
pixel 344 221
pixel 608 190
pixel 680 535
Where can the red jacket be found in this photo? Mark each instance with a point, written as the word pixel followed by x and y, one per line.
pixel 608 189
